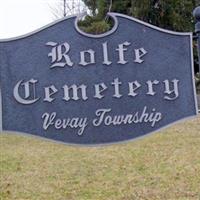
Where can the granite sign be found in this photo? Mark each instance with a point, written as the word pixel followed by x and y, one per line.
pixel 63 84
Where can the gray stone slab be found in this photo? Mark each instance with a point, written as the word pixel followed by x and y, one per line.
pixel 62 84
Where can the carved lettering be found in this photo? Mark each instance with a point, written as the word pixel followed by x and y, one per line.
pixel 174 92
pixel 121 51
pixel 25 92
pixel 58 54
pixel 49 91
pixel 28 87
pixel 87 55
pixel 74 88
pixel 139 53
pixel 99 88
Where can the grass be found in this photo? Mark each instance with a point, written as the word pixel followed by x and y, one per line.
pixel 165 165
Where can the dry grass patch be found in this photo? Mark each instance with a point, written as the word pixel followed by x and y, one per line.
pixel 165 165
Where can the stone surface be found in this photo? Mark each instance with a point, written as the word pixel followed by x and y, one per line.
pixel 132 76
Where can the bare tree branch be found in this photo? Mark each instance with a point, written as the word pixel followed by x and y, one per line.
pixel 67 7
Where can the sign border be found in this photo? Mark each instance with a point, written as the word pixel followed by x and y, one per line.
pixel 114 16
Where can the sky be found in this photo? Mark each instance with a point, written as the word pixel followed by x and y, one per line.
pixel 18 17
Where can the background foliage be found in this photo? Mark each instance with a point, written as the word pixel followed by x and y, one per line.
pixel 170 14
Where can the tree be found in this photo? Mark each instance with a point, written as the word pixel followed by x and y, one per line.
pixel 92 5
pixel 170 14
pixel 63 8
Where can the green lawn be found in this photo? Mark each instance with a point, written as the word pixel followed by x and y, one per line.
pixel 165 165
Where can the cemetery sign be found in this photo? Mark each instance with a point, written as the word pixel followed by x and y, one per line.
pixel 63 84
